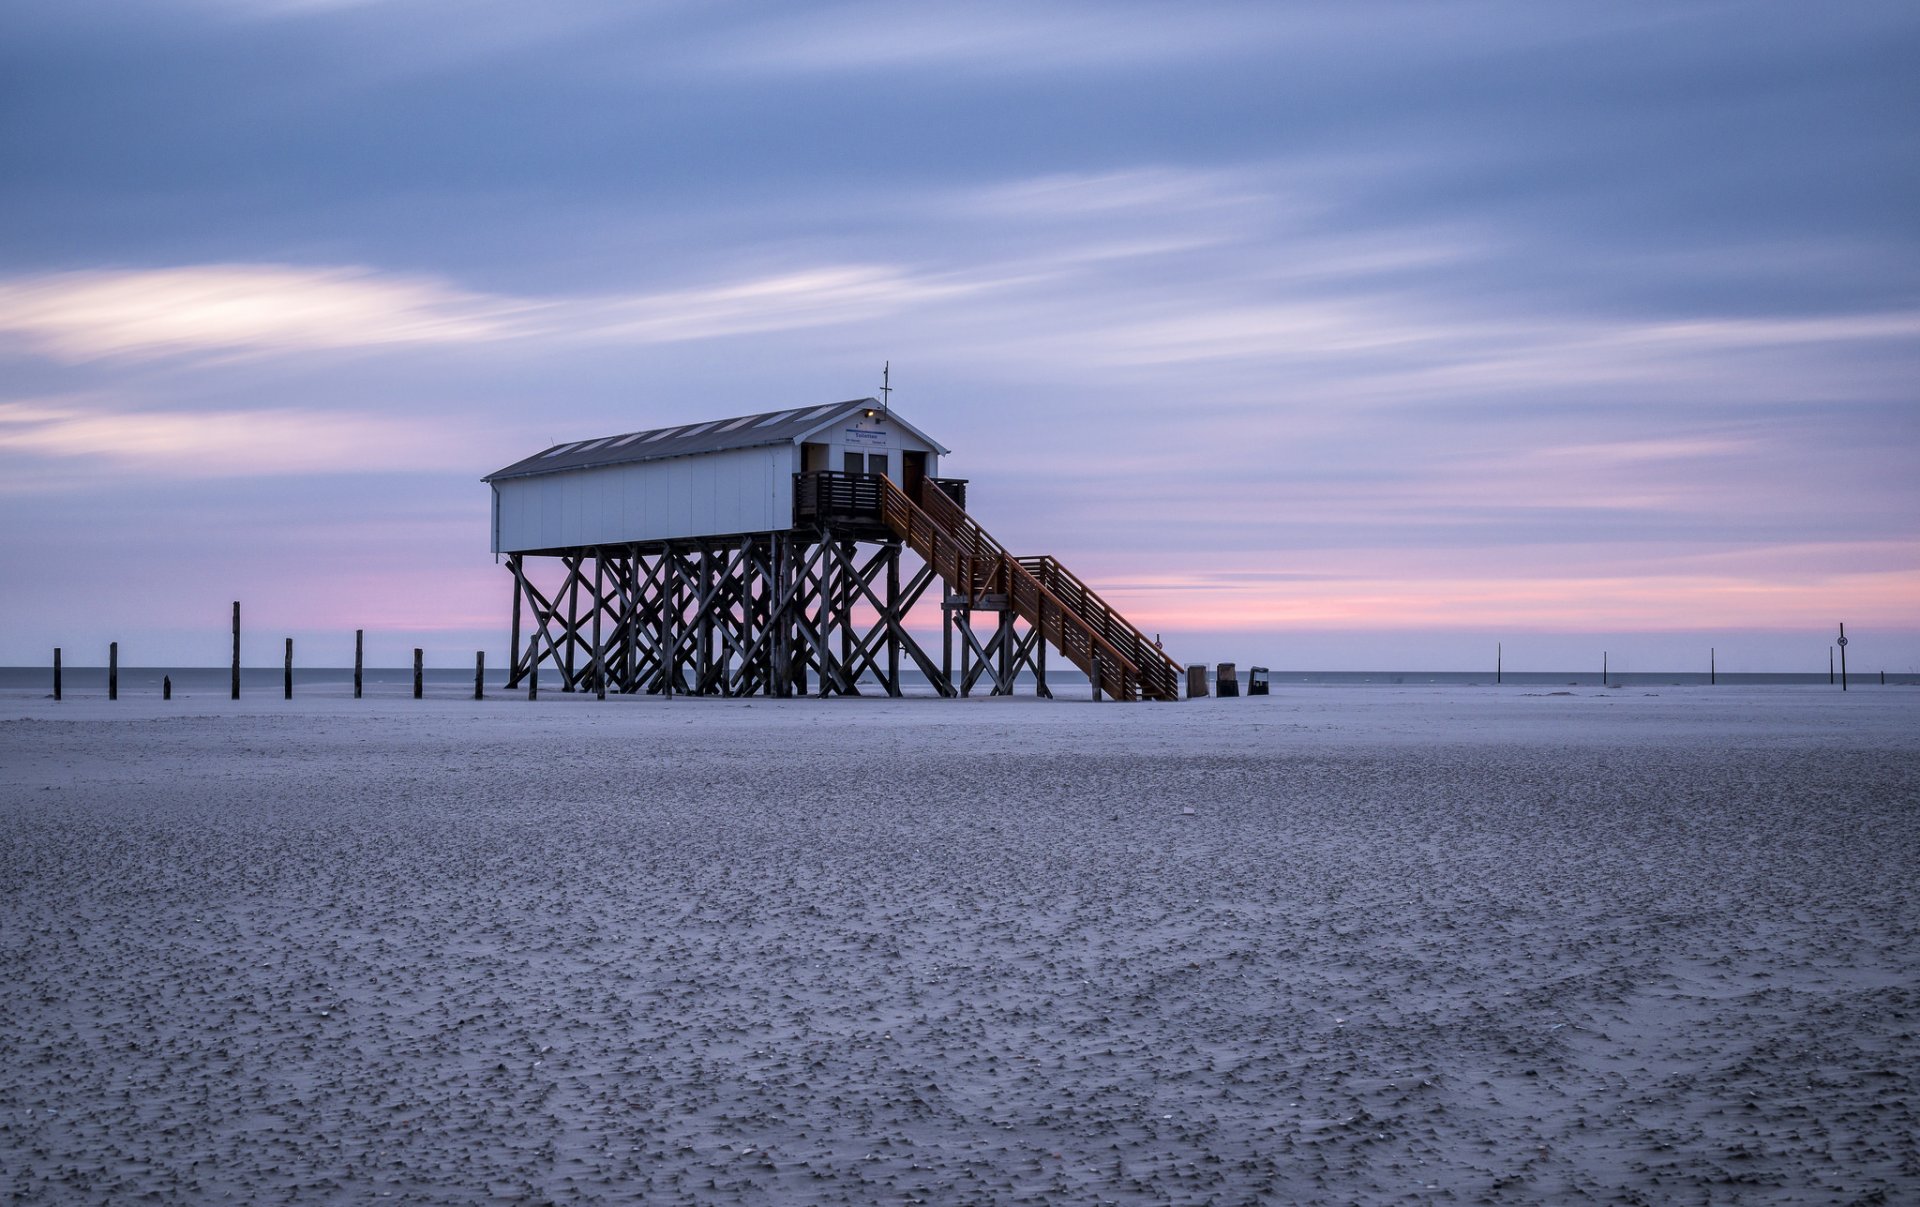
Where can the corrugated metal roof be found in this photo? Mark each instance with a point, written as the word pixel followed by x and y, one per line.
pixel 684 440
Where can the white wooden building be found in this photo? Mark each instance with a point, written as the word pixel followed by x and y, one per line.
pixel 722 477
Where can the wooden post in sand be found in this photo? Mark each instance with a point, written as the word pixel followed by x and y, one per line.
pixel 166 687
pixel 113 670
pixel 1713 666
pixel 1095 676
pixel 1843 655
pixel 1498 657
pixel 479 673
pixel 418 676
pixel 359 649
pixel 1829 666
pixel 56 672
pixel 287 672
pixel 236 649
pixel 533 668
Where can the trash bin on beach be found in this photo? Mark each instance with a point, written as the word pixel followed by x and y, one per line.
pixel 1196 680
pixel 1226 680
pixel 1256 681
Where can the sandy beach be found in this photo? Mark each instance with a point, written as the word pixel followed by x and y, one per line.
pixel 1337 945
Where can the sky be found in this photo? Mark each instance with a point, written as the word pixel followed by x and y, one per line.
pixel 1356 335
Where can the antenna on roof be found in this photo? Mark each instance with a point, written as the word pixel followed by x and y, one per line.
pixel 886 387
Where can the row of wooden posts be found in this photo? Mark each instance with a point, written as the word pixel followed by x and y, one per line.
pixel 359 661
pixel 1226 676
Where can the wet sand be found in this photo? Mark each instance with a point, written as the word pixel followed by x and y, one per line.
pixel 1450 944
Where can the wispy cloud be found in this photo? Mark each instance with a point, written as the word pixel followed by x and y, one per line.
pixel 239 443
pixel 77 316
pixel 241 309
pixel 991 37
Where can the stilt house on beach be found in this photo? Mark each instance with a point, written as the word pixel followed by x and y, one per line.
pixel 740 556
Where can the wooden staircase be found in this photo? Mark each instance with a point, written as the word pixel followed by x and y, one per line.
pixel 1067 614
pixel 1159 674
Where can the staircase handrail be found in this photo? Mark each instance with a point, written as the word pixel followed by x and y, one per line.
pixel 963 554
pixel 1115 627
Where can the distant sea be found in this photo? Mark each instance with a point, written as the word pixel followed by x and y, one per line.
pixel 392 681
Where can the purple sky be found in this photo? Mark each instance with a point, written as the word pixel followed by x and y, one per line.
pixel 1359 335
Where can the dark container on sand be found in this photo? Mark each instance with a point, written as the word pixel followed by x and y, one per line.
pixel 1226 680
pixel 1256 681
pixel 1196 680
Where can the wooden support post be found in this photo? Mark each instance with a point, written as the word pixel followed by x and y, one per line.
pixel 946 645
pixel 843 594
pixel 479 674
pixel 894 621
pixel 113 670
pixel 359 651
pixel 56 672
pixel 236 649
pixel 166 687
pixel 963 619
pixel 513 642
pixel 1004 672
pixel 533 668
pixel 288 672
pixel 572 623
pixel 599 606
pixel 419 676
pixel 1094 676
pixel 1040 688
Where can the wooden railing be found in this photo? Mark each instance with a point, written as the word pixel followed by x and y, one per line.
pixel 975 565
pixel 831 495
pixel 1159 674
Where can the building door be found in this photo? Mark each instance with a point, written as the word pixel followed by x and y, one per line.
pixel 913 470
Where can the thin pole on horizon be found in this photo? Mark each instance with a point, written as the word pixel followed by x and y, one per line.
pixel 287 682
pixel 1713 666
pixel 236 649
pixel 56 673
pixel 479 673
pixel 113 670
pixel 1829 666
pixel 1843 655
pixel 359 649
pixel 418 677
pixel 1498 658
pixel 1603 668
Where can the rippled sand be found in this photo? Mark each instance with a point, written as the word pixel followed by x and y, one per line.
pixel 1454 944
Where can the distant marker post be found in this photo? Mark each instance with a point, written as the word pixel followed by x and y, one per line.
pixel 236 649
pixel 1843 655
